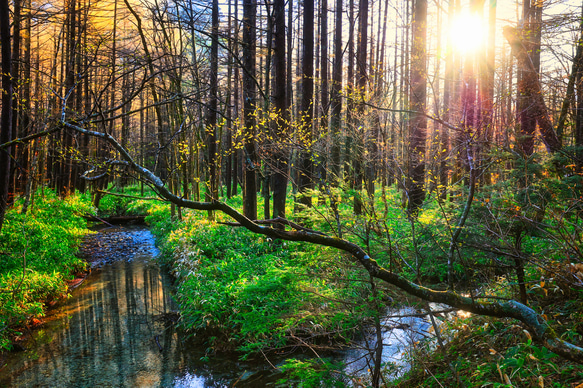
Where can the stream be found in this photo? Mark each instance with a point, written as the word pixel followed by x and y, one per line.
pixel 117 330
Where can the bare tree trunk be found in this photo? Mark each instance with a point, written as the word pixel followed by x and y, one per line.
pixel 306 181
pixel 16 83
pixel 530 84
pixel 5 115
pixel 323 160
pixel 578 76
pixel 362 80
pixel 236 107
pixel 526 114
pixel 417 137
pixel 281 107
pixel 447 91
pixel 487 72
pixel 336 96
pixel 350 108
pixel 212 192
pixel 67 175
pixel 249 101
pixel 229 100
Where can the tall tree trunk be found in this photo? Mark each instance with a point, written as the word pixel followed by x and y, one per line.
pixel 417 137
pixel 306 181
pixel 17 90
pixel 350 108
pixel 526 115
pixel 281 107
pixel 578 80
pixel 531 87
pixel 290 75
pixel 212 189
pixel 267 170
pixel 447 94
pixel 5 115
pixel 229 113
pixel 362 80
pixel 249 101
pixel 487 72
pixel 336 96
pixel 66 176
pixel 236 107
pixel 324 93
pixel 25 129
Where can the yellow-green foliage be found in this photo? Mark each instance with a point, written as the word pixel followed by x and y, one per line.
pixel 37 256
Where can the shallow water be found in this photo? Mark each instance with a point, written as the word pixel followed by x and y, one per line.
pixel 116 331
pixel 401 329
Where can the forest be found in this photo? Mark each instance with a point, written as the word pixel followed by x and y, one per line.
pixel 377 151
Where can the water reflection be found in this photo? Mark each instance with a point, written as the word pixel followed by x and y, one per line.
pixel 114 332
pixel 401 328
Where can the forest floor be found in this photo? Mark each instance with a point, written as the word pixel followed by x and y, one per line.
pixel 247 294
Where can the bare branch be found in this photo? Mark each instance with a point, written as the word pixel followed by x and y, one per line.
pixel 539 327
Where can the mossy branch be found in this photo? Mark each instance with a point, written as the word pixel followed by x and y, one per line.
pixel 542 332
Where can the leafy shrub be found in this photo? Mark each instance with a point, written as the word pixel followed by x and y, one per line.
pixel 38 254
pixel 312 374
pixel 244 291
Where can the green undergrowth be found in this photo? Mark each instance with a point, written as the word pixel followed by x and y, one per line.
pixel 486 352
pixel 124 201
pixel 239 291
pixel 37 257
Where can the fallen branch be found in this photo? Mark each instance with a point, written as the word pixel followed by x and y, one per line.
pixel 277 221
pixel 116 219
pixel 536 324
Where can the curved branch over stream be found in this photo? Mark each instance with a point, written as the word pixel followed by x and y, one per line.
pixel 542 332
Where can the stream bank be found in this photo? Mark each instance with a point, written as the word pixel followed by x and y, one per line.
pixel 117 329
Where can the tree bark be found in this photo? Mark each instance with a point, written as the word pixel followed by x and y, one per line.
pixel 336 97
pixel 6 114
pixel 249 101
pixel 417 137
pixel 281 107
pixel 212 190
pixel 360 132
pixel 306 178
pixel 531 86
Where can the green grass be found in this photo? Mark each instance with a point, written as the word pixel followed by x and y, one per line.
pixel 242 291
pixel 37 257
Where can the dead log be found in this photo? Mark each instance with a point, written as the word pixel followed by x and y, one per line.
pixel 116 220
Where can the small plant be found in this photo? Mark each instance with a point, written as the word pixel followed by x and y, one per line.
pixel 38 255
pixel 312 373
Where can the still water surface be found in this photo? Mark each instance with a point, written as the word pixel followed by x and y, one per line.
pixel 116 331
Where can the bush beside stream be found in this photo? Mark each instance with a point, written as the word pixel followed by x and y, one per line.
pixel 38 257
pixel 238 291
pixel 241 292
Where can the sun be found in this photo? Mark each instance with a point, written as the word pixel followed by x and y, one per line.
pixel 467 33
